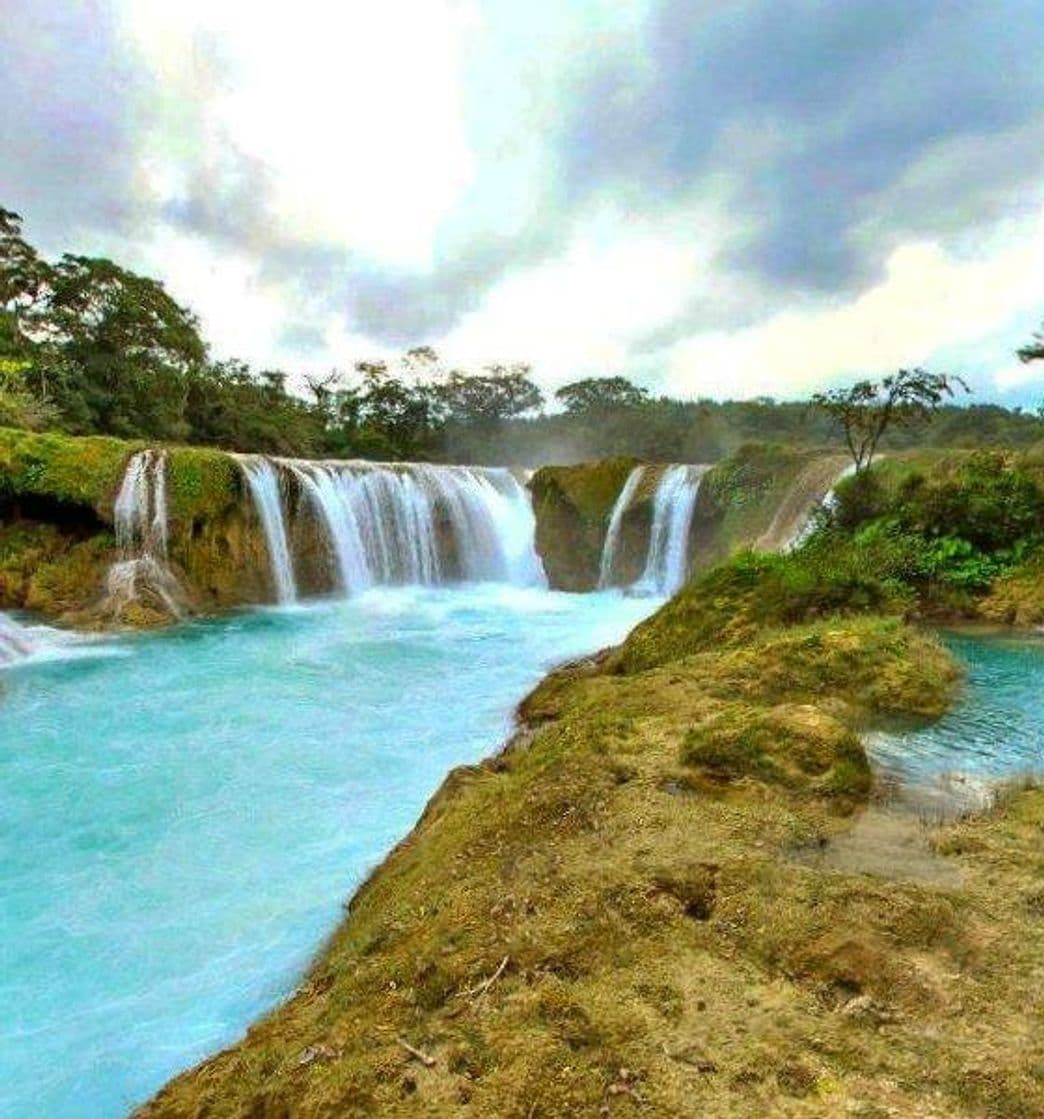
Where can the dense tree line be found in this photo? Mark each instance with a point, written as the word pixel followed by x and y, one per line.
pixel 87 346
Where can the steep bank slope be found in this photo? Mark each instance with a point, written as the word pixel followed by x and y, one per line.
pixel 617 915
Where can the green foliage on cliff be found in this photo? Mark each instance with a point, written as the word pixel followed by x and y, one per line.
pixel 939 529
pixel 202 484
pixel 756 600
pixel 84 472
pixel 52 570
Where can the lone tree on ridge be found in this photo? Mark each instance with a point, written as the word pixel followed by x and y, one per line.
pixel 867 409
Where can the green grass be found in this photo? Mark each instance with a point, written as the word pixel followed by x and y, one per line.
pixel 82 472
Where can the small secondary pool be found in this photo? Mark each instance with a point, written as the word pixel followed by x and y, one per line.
pixel 994 732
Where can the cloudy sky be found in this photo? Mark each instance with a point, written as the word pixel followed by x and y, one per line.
pixel 716 198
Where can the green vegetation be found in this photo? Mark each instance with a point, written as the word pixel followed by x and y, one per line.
pixel 622 914
pixel 202 485
pixel 88 347
pixel 56 468
pixel 59 572
pixel 934 532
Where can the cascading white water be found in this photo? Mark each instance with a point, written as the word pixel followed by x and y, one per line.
pixel 409 523
pixel 383 522
pixel 263 482
pixel 612 536
pixel 667 556
pixel 15 642
pixel 667 561
pixel 826 505
pixel 140 521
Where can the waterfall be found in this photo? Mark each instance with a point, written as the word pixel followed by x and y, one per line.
pixel 667 561
pixel 825 504
pixel 404 523
pixel 612 536
pixel 15 642
pixel 140 521
pixel 263 481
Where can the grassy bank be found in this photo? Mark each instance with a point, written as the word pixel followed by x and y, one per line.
pixel 619 915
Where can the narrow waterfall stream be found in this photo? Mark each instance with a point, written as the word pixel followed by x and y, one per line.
pixel 612 535
pixel 140 523
pixel 15 641
pixel 263 481
pixel 667 564
pixel 667 553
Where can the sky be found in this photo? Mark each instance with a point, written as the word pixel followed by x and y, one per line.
pixel 759 197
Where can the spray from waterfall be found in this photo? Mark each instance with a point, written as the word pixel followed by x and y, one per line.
pixel 263 482
pixel 140 520
pixel 612 536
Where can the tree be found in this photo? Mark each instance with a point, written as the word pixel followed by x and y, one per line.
pixel 24 277
pixel 867 409
pixel 1033 350
pixel 600 394
pixel 486 399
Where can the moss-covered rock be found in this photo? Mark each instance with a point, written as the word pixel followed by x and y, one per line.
pixel 572 505
pixel 619 913
pixel 63 469
pixel 56 543
pixel 1017 598
pixel 759 497
pixel 57 571
pixel 794 744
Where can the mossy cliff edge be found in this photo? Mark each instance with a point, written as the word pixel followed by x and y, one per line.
pixel 622 913
pixel 56 528
pixel 758 496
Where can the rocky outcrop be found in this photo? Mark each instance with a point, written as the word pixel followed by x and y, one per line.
pixel 621 912
pixel 572 505
pixel 57 539
pixel 759 497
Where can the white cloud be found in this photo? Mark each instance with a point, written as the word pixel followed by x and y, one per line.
pixel 928 301
pixel 583 312
pixel 353 110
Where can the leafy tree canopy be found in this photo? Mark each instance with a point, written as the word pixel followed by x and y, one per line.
pixel 866 410
pixel 600 394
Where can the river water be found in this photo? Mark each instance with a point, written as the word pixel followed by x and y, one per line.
pixel 183 814
pixel 995 730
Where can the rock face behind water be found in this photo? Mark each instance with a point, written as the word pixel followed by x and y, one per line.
pixel 59 549
pixel 572 505
pixel 61 546
pixel 757 497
